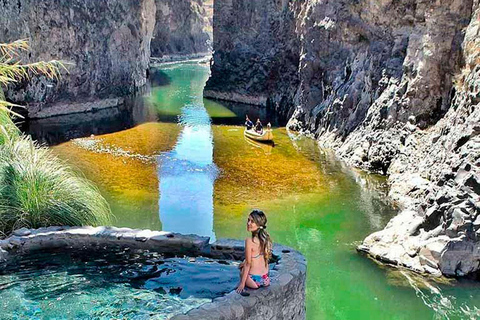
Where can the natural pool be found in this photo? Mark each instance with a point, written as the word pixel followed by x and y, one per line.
pixel 181 163
pixel 120 284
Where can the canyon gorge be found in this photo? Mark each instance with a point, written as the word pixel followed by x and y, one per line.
pixel 392 87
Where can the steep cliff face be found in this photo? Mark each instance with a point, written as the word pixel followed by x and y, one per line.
pixel 182 27
pixel 436 177
pixel 392 87
pixel 108 41
pixel 256 52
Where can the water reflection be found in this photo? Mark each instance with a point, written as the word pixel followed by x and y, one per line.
pixel 373 191
pixel 187 173
pixel 59 129
pixel 267 147
pixel 237 112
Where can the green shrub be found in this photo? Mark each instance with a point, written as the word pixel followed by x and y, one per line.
pixel 38 190
pixel 7 127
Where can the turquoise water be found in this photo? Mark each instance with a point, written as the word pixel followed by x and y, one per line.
pixel 205 177
pixel 115 284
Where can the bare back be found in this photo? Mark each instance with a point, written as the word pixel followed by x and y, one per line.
pixel 258 265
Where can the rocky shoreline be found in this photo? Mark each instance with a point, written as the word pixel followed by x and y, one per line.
pixel 391 88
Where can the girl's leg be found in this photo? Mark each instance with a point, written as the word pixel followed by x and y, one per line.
pixel 250 283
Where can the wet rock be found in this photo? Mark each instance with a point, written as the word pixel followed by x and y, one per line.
pixel 22 232
pixel 460 257
pixel 427 258
pixel 175 290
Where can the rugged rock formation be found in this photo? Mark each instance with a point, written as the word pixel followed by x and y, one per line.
pixel 436 176
pixel 392 87
pixel 108 41
pixel 256 52
pixel 182 27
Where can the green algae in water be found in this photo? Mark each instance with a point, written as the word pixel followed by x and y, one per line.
pixel 138 285
pixel 184 87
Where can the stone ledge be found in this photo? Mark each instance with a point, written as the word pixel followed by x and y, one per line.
pixel 283 299
pixel 24 241
pixel 60 109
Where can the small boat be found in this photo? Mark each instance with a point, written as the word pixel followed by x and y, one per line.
pixel 267 135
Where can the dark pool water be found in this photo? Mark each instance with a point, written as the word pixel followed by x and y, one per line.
pixel 117 284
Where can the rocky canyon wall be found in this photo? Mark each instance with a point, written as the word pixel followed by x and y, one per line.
pixel 107 41
pixel 392 87
pixel 256 52
pixel 182 27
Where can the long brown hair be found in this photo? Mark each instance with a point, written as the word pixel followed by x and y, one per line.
pixel 261 233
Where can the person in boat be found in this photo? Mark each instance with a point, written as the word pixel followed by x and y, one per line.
pixel 259 127
pixel 248 123
pixel 258 251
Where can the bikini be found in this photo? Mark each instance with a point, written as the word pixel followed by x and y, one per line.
pixel 259 279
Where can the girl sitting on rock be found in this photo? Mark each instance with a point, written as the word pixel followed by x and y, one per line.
pixel 258 251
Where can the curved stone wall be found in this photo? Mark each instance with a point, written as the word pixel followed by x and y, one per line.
pixel 283 299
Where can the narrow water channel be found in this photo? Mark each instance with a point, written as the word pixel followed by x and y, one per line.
pixel 183 165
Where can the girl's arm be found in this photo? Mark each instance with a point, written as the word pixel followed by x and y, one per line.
pixel 246 266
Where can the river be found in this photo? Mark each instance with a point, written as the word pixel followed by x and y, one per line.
pixel 178 162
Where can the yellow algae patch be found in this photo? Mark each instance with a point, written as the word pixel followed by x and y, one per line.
pixel 129 184
pixel 147 139
pixel 251 173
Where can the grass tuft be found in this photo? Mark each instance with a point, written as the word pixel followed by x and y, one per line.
pixel 38 190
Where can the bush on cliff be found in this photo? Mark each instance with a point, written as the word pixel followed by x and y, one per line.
pixel 36 188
